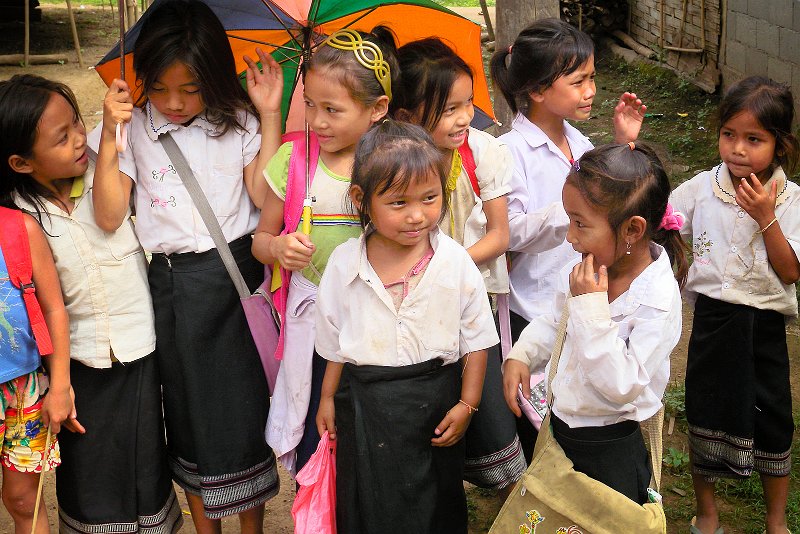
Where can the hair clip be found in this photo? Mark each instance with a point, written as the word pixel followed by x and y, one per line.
pixel 368 54
pixel 576 164
pixel 672 220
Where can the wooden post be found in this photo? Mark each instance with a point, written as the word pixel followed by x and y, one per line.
pixel 27 46
pixel 130 13
pixel 74 33
pixel 487 19
pixel 512 16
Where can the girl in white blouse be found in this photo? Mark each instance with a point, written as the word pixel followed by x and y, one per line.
pixel 743 217
pixel 624 316
pixel 404 321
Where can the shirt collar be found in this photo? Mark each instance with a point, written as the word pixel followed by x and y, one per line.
pixel 359 264
pixel 725 190
pixel 158 124
pixel 648 289
pixel 535 137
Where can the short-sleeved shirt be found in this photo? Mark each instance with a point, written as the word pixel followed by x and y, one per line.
pixel 730 256
pixel 535 211
pixel 103 278
pixel 447 314
pixel 333 221
pixel 166 219
pixel 614 365
pixel 466 221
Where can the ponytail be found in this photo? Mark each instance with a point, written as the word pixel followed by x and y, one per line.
pixel 500 77
pixel 677 250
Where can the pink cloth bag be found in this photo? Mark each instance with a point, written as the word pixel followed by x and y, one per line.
pixel 314 508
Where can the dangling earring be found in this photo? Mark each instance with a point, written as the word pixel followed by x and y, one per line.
pixel 627 248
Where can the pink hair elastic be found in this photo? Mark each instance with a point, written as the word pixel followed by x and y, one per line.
pixel 672 220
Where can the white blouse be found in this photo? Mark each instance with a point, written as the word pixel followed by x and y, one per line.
pixel 614 365
pixel 537 221
pixel 446 316
pixel 730 257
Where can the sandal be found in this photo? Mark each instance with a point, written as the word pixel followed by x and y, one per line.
pixel 694 530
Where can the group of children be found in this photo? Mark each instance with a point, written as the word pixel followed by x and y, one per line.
pixel 390 305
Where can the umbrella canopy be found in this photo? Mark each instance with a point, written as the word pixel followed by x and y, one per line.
pixel 286 28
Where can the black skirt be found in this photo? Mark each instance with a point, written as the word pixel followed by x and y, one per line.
pixel 738 396
pixel 614 455
pixel 389 478
pixel 215 393
pixel 114 478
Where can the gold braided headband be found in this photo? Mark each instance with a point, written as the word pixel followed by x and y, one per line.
pixel 367 54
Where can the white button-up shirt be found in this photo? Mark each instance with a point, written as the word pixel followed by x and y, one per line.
pixel 615 362
pixel 730 257
pixel 537 220
pixel 166 218
pixel 446 316
pixel 104 282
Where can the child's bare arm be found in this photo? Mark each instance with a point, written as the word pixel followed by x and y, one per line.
pixel 452 428
pixel 760 205
pixel 326 420
pixel 58 406
pixel 111 191
pixel 265 88
pixel 495 242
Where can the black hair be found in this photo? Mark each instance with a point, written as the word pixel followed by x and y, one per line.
pixel 360 81
pixel 189 32
pixel 627 182
pixel 392 155
pixel 429 69
pixel 772 105
pixel 541 53
pixel 23 100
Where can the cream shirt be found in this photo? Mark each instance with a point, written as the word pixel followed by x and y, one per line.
pixel 493 170
pixel 615 362
pixel 536 218
pixel 166 218
pixel 730 258
pixel 446 316
pixel 104 282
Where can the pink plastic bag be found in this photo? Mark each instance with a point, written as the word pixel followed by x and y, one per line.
pixel 314 508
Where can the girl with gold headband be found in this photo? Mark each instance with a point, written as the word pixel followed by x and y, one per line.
pixel 348 86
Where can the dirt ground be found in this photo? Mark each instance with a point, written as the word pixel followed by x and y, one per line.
pixel 97 31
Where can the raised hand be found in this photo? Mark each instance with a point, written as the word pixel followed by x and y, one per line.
pixel 265 84
pixel 117 106
pixel 628 117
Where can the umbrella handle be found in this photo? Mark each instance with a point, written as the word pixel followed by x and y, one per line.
pixel 306 229
pixel 121 137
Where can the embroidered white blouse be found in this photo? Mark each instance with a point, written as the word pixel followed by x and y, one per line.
pixel 537 221
pixel 730 257
pixel 166 219
pixel 103 278
pixel 615 362
pixel 446 316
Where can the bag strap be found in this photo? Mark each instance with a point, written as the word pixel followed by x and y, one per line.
pixel 206 213
pixel 468 162
pixel 651 427
pixel 17 254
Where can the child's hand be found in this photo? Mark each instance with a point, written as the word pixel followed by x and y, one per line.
pixel 117 106
pixel 583 279
pixel 757 201
pixel 451 429
pixel 58 407
pixel 293 251
pixel 515 374
pixel 265 84
pixel 628 118
pixel 326 417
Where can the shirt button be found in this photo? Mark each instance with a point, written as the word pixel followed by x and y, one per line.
pixel 741 213
pixel 726 285
pixel 103 315
pixel 734 249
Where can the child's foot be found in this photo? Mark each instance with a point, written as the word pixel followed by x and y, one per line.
pixel 779 530
pixel 705 525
